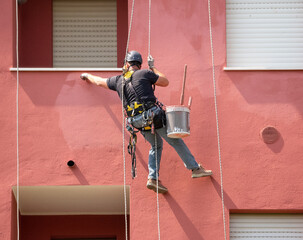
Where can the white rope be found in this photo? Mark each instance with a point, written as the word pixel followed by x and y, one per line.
pixel 124 167
pixel 130 28
pixel 17 118
pixel 149 28
pixel 156 152
pixel 217 117
pixel 157 176
pixel 123 122
pixel 123 126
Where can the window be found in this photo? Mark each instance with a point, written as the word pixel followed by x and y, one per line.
pixel 84 33
pixel 266 226
pixel 264 34
pixel 72 33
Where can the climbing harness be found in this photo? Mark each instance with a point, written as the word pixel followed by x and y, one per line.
pixel 140 115
pixel 217 117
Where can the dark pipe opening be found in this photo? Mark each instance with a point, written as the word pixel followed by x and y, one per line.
pixel 70 163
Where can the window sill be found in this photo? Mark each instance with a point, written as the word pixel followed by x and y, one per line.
pixel 260 69
pixel 21 69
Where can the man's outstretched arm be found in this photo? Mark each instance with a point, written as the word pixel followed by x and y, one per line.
pixel 99 81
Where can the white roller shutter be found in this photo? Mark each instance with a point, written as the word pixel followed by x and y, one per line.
pixel 264 34
pixel 266 226
pixel 84 33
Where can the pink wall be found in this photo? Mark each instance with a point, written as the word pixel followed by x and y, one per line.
pixel 63 118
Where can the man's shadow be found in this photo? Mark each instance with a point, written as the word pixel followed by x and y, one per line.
pixel 189 228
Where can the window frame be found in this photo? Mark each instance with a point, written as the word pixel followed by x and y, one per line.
pixel 38 57
pixel 266 67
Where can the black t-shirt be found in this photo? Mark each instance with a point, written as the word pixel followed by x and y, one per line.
pixel 142 81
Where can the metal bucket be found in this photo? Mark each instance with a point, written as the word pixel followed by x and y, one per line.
pixel 177 121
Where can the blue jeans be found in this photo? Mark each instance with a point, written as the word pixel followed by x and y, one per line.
pixel 177 143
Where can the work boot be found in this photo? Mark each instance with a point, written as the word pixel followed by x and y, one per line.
pixel 152 185
pixel 200 172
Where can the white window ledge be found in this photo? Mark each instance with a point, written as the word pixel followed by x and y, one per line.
pixel 259 69
pixel 14 69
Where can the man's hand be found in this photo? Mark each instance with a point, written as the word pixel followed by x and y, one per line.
pixel 150 62
pixel 84 76
pixel 99 81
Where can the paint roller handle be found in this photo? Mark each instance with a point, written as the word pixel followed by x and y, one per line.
pixel 189 102
pixel 183 86
pixel 84 76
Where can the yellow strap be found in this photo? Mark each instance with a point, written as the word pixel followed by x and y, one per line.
pixel 129 108
pixel 128 74
pixel 137 105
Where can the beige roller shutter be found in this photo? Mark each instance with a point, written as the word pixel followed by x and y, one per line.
pixel 84 33
pixel 264 34
pixel 266 226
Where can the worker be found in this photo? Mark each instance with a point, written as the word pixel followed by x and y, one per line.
pixel 138 91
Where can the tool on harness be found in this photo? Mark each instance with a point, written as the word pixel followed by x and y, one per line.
pixel 132 149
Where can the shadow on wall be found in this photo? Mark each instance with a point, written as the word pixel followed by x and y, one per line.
pixel 270 87
pixel 273 139
pixel 189 228
pixel 79 175
pixel 227 200
pixel 277 146
pixel 70 105
pixel 63 89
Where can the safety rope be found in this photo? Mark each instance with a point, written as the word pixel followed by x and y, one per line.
pixel 157 176
pixel 130 28
pixel 17 120
pixel 217 117
pixel 123 120
pixel 123 125
pixel 124 167
pixel 156 158
pixel 149 28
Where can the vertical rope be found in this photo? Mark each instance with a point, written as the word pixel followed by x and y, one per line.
pixel 130 28
pixel 149 26
pixel 217 117
pixel 124 166
pixel 157 176
pixel 123 126
pixel 156 151
pixel 17 118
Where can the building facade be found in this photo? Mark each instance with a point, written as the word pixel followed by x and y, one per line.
pixel 50 117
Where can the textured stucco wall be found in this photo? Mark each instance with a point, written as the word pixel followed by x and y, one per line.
pixel 63 118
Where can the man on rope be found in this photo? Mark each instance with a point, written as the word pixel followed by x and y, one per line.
pixel 144 112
